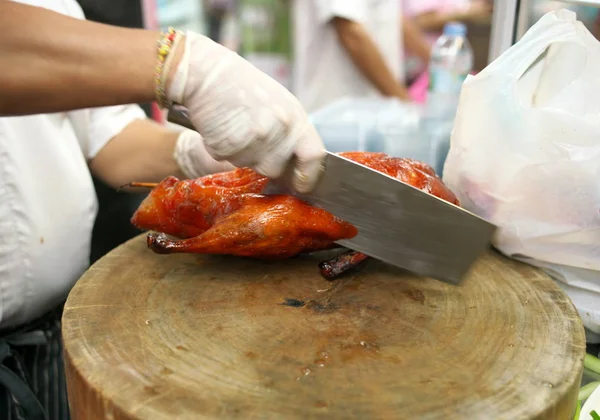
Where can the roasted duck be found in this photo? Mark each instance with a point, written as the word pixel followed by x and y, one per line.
pixel 227 213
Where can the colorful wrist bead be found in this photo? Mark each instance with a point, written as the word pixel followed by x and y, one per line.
pixel 169 61
pixel 164 46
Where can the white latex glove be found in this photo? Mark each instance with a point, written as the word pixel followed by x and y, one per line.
pixel 245 116
pixel 193 158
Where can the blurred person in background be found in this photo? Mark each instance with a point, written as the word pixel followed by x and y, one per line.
pixel 431 16
pixel 349 48
pixel 416 45
pixel 64 116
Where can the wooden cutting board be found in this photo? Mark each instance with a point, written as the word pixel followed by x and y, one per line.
pixel 198 337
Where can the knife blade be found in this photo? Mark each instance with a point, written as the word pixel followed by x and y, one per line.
pixel 397 223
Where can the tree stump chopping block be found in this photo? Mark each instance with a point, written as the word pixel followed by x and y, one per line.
pixel 209 337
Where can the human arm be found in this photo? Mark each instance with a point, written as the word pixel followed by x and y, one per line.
pixel 433 20
pixel 148 152
pixel 122 145
pixel 142 151
pixel 53 62
pixel 367 58
pixel 414 39
pixel 57 63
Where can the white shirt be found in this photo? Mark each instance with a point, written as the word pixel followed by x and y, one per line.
pixel 324 71
pixel 47 200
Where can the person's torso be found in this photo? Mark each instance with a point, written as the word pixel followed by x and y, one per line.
pixel 47 208
pixel 324 71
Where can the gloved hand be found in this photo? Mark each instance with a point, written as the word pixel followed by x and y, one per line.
pixel 193 159
pixel 244 116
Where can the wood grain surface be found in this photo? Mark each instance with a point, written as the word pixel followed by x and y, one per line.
pixel 203 337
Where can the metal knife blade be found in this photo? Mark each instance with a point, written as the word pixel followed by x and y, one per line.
pixel 397 223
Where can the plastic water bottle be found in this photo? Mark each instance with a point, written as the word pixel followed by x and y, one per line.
pixel 450 63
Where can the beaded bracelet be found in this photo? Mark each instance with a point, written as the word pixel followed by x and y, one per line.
pixel 169 61
pixel 164 46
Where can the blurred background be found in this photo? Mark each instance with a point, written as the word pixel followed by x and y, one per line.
pixel 261 31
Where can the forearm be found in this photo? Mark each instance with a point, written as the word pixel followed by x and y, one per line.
pixel 142 152
pixel 51 62
pixel 435 21
pixel 366 56
pixel 414 40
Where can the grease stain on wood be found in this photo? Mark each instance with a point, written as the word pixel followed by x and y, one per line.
pixel 415 295
pixel 294 303
pixel 326 307
pixel 166 371
pixel 321 404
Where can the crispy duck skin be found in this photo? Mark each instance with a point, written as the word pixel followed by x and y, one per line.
pixel 185 209
pixel 227 213
pixel 264 226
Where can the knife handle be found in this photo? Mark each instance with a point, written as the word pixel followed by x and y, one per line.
pixel 178 115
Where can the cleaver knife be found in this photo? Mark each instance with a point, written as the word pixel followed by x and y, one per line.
pixel 397 223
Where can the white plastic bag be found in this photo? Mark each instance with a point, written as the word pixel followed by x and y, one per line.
pixel 525 154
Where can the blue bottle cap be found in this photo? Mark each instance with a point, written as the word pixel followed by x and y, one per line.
pixel 455 29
